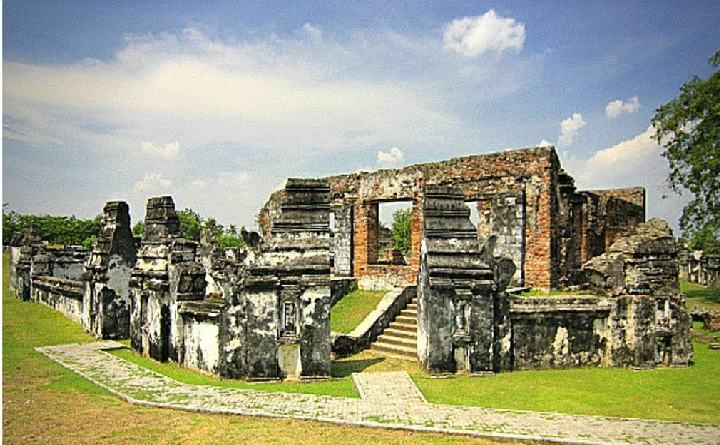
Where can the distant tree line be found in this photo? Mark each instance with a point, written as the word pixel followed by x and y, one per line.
pixel 66 230
pixel 69 230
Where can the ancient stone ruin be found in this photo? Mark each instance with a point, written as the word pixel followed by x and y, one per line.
pixel 699 267
pixel 523 197
pixel 263 312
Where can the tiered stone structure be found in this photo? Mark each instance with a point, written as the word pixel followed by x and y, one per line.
pixel 523 197
pixel 462 307
pixel 153 306
pixel 649 323
pixel 106 298
pixel 267 315
pixel 287 289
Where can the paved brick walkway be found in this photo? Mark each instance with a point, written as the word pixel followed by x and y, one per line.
pixel 389 400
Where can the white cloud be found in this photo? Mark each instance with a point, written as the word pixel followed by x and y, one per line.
pixel 231 180
pixel 393 158
pixel 473 36
pixel 618 107
pixel 544 143
pixel 167 151
pixel 630 163
pixel 152 182
pixel 624 159
pixel 269 105
pixel 312 31
pixel 569 129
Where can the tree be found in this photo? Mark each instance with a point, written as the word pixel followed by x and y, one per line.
pixel 190 224
pixel 402 230
pixel 53 229
pixel 138 229
pixel 688 127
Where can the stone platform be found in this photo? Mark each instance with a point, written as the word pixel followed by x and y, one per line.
pixel 388 400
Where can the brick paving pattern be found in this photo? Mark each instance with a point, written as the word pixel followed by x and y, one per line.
pixel 389 400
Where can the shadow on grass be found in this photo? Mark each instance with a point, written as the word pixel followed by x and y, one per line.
pixel 345 368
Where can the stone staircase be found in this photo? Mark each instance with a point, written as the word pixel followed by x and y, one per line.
pixel 399 340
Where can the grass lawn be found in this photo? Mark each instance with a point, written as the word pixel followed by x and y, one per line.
pixel 684 394
pixel 697 295
pixel 45 403
pixel 349 312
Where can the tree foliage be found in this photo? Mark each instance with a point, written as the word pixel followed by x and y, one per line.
pixel 688 127
pixel 53 229
pixel 192 224
pixel 402 230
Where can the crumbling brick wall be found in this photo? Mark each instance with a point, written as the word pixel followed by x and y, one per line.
pixel 549 235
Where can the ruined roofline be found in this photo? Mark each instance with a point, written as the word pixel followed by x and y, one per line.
pixel 539 151
pixel 634 195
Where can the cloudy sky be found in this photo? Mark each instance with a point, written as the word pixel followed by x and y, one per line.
pixel 216 103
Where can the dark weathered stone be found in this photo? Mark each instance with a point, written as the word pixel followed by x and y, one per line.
pixel 106 304
pixel 457 292
pixel 650 324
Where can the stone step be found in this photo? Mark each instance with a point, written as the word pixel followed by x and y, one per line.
pixel 412 306
pixel 408 313
pixel 400 333
pixel 399 341
pixel 404 352
pixel 406 319
pixel 409 327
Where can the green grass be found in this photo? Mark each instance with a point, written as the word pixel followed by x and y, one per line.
pixel 698 295
pixel 681 394
pixel 27 325
pixel 349 312
pixel 45 403
pixel 340 386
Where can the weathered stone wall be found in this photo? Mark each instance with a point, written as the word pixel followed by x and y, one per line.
pixel 151 303
pixel 560 332
pixel 342 241
pixel 699 267
pixel 63 295
pixel 68 262
pixel 523 197
pixel 467 323
pixel 266 314
pixel 286 291
pixel 650 325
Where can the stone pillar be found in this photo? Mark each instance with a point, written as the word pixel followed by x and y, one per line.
pixel 343 240
pixel 106 301
pixel 21 257
pixel 458 294
pixel 287 290
pixel 150 319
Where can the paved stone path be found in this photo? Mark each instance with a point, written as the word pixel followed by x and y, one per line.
pixel 389 400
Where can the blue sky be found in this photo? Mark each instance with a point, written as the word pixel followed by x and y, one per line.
pixel 216 103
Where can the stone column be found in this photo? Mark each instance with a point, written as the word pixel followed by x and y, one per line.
pixel 106 301
pixel 458 294
pixel 287 290
pixel 150 319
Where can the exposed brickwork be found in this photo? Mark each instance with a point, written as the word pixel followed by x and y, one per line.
pixel 563 228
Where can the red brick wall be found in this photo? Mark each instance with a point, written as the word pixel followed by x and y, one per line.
pixel 534 170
